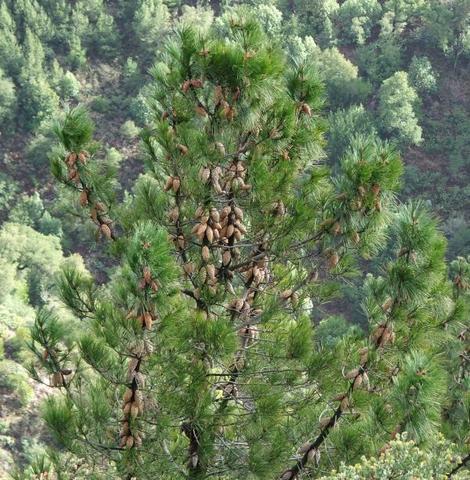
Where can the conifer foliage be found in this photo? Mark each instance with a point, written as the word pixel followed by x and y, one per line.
pixel 199 358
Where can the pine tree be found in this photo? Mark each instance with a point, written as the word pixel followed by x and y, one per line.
pixel 199 358
pixel 456 413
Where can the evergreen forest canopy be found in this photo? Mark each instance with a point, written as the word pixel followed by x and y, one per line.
pixel 253 260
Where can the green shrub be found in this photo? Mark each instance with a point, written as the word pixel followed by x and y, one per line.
pixel 129 130
pixel 406 461
pixel 18 342
pixel 113 157
pixel 4 426
pixel 6 441
pixel 139 108
pixel 15 378
pixel 101 105
pixel 132 77
pixel 69 86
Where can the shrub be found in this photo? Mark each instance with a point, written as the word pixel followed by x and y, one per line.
pixel 15 378
pixel 129 130
pixel 113 157
pixel 101 105
pixel 404 460
pixel 69 86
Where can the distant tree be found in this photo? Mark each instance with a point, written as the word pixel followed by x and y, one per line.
pixel 314 17
pixel 447 26
pixel 270 18
pixel 69 86
pixel 31 16
pixel 65 84
pixel 150 21
pixel 421 75
pixel 357 17
pixel 383 57
pixel 380 59
pixel 397 118
pixel 401 15
pixel 341 77
pixel 36 256
pixel 37 102
pixel 34 54
pixel 344 127
pixel 77 54
pixel 7 101
pixel 113 156
pixel 58 12
pixel 10 50
pixel 339 74
pixel 8 190
pixel 13 377
pixel 99 35
pixel 332 330
pixel 132 77
pixel 198 17
pixel 139 107
pixel 458 231
pixel 30 211
pixel 26 247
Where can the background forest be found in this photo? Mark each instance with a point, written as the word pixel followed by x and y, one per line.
pixel 398 70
